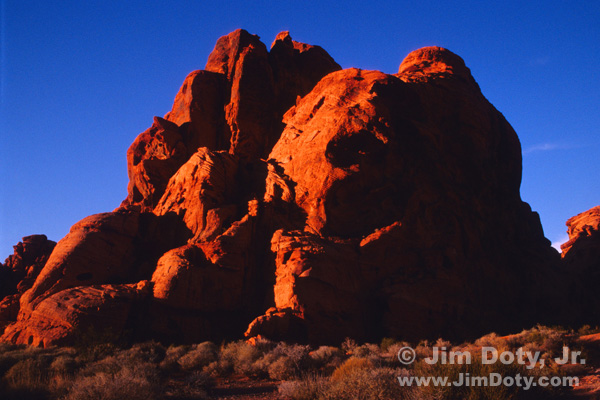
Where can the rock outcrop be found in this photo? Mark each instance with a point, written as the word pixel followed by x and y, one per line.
pixel 19 272
pixel 80 314
pixel 235 104
pixel 581 253
pixel 285 197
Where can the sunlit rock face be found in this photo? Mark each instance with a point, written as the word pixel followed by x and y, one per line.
pixel 581 253
pixel 285 197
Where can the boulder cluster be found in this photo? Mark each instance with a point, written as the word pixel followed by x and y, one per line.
pixel 285 197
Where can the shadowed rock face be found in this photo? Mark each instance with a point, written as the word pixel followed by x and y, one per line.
pixel 19 271
pixel 581 253
pixel 285 197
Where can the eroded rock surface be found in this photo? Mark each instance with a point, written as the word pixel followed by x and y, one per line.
pixel 581 253
pixel 19 272
pixel 287 198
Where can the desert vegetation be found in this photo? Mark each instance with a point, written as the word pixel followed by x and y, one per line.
pixel 288 371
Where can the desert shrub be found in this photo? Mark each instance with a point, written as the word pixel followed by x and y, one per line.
pixel 491 340
pixel 151 351
pixel 215 368
pixel 238 357
pixel 262 365
pixel 95 352
pixel 9 355
pixel 29 377
pixel 423 350
pixel 172 355
pixel 325 354
pixel 547 340
pixel 358 378
pixel 368 350
pixel 553 340
pixel 311 387
pixel 452 373
pixel 585 330
pixel 262 344
pixel 13 354
pixel 349 345
pixel 327 358
pixel 386 343
pixel 476 369
pixel 199 356
pixel 282 368
pixel 366 383
pixel 194 386
pixel 392 353
pixel 32 372
pixel 350 366
pixel 140 356
pixel 298 354
pixel 64 364
pixel 7 360
pixel 132 383
pixel 109 365
pixel 284 361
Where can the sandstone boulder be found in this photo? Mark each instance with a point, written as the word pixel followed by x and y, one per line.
pixel 110 248
pixel 81 314
pixel 201 193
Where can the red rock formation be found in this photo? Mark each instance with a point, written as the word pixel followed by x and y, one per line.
pixel 109 248
pixel 20 269
pixel 152 159
pixel 302 202
pixel 79 314
pixel 199 188
pixel 400 199
pixel 199 110
pixel 582 251
pixel 235 104
pixel 19 272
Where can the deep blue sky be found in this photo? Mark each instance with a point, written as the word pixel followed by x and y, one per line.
pixel 80 79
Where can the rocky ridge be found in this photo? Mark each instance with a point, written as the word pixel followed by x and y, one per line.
pixel 282 196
